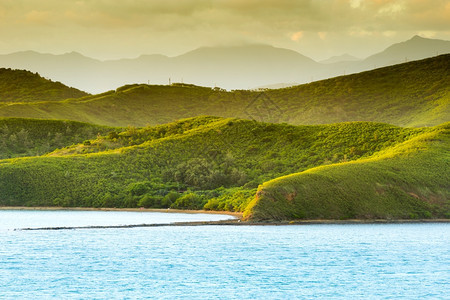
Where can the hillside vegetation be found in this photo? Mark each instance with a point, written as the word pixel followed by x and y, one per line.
pixel 408 181
pixel 30 137
pixel 412 94
pixel 205 162
pixel 25 86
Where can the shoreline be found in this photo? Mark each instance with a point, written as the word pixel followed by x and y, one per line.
pixel 238 222
pixel 234 222
pixel 160 210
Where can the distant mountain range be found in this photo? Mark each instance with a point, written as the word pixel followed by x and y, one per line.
pixel 241 67
pixel 340 58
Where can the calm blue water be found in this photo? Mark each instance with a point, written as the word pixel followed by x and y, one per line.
pixel 402 261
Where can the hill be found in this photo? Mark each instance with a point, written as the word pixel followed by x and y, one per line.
pixel 30 137
pixel 24 86
pixel 408 181
pixel 204 162
pixel 409 94
pixel 238 67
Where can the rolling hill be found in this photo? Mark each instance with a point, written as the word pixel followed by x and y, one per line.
pixel 215 163
pixel 24 86
pixel 409 94
pixel 408 181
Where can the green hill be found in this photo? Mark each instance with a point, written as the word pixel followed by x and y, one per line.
pixel 31 137
pixel 204 162
pixel 410 180
pixel 412 94
pixel 25 86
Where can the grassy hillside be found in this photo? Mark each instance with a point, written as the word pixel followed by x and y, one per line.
pixel 31 137
pixel 411 94
pixel 25 86
pixel 410 180
pixel 204 162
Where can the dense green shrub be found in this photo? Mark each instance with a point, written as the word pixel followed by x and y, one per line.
pixel 196 163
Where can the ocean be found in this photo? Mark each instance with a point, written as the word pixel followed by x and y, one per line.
pixel 358 261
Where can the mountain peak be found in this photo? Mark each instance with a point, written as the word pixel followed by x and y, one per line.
pixel 244 53
pixel 413 49
pixel 75 54
pixel 417 37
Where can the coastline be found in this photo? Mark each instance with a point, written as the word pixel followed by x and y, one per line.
pixel 234 222
pixel 160 210
pixel 238 222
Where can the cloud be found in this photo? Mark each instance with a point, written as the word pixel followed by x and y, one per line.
pixel 427 34
pixel 296 36
pixel 173 26
pixel 281 15
pixel 392 8
pixel 389 33
pixel 355 3
pixel 359 32
pixel 322 35
pixel 36 17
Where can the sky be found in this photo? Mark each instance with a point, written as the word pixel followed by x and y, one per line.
pixel 113 29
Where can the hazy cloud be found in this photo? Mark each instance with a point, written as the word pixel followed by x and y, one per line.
pixel 37 17
pixel 322 35
pixel 296 36
pixel 106 28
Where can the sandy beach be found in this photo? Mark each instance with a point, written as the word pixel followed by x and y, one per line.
pixel 161 210
pixel 237 221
